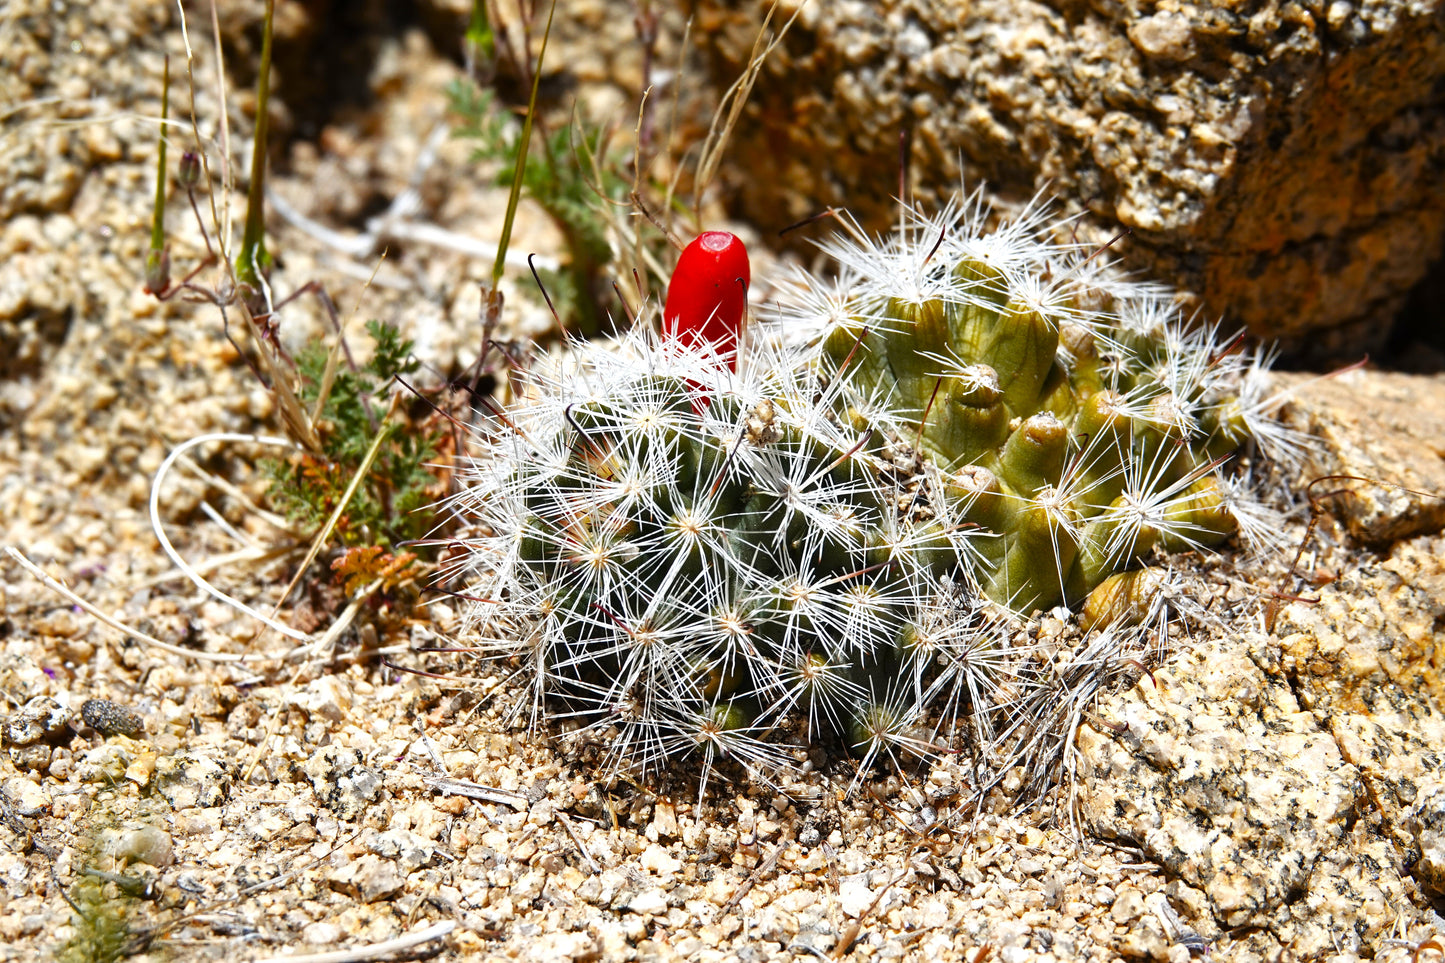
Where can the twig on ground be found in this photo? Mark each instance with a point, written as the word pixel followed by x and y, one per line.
pixel 765 867
pixel 586 856
pixel 372 951
pixel 849 936
pixel 225 559
pixel 472 790
pixel 225 487
pixel 55 585
pixel 175 556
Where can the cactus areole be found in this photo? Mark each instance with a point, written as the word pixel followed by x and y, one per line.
pixel 708 295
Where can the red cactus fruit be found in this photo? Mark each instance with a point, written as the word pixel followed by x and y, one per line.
pixel 708 294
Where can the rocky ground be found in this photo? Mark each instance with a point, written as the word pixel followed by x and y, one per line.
pixel 1271 791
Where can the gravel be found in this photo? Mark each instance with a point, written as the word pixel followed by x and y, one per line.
pixel 280 807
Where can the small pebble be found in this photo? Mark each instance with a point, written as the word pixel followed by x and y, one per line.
pixel 40 718
pixel 111 718
pixel 145 844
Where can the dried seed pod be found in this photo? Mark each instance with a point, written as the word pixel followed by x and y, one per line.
pixel 190 169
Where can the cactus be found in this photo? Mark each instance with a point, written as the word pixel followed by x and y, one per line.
pixel 1078 422
pixel 698 556
pixel 827 533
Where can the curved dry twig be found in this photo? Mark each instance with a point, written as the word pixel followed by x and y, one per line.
pixel 60 588
pixel 175 556
pixel 371 951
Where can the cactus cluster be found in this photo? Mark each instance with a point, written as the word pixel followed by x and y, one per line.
pixel 831 533
pixel 1077 423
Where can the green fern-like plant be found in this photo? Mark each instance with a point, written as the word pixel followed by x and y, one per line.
pixel 102 925
pixel 392 504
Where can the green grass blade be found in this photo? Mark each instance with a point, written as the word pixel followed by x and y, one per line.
pixel 522 147
pixel 481 41
pixel 157 262
pixel 253 259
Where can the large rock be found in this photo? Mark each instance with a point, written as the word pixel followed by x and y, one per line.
pixel 1292 778
pixel 1220 777
pixel 1291 775
pixel 1364 655
pixel 1379 450
pixel 1278 158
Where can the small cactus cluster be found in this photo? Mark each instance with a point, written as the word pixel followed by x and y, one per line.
pixel 1076 423
pixel 699 557
pixel 831 530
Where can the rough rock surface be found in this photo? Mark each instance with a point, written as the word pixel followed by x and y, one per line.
pixel 191 779
pixel 1387 433
pixel 1279 158
pixel 1292 777
pixel 1221 777
pixel 1426 826
pixel 1366 658
pixel 342 783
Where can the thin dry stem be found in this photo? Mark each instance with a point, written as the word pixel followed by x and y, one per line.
pixel 731 108
pixel 55 585
pixel 175 556
pixel 372 951
pixel 293 414
pixel 228 173
pixel 226 488
pixel 224 560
